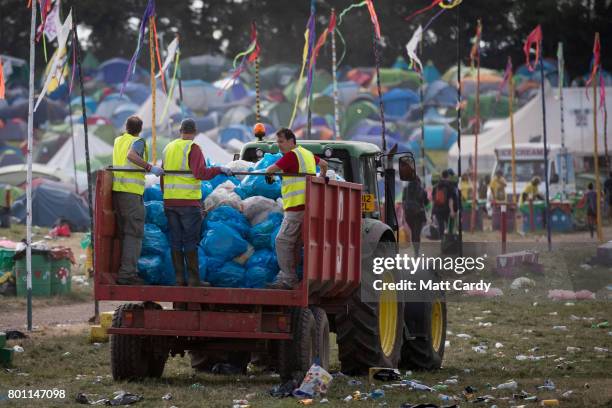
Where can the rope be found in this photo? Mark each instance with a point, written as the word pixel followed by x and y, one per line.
pixel 335 86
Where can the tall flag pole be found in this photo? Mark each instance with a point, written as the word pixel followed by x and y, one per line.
pixel 422 118
pixel 535 39
pixel 602 104
pixel 29 169
pixel 561 72
pixel 593 81
pixel 335 82
pixel 475 56
pixel 153 93
pixel 460 216
pixel 509 81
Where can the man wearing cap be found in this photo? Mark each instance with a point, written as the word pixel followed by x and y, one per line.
pixel 130 152
pixel 295 159
pixel 182 200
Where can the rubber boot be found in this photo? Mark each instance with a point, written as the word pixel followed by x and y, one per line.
pixel 193 269
pixel 178 261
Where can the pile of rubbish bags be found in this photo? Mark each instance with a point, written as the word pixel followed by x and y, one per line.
pixel 243 217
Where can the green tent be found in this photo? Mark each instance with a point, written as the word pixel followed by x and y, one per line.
pixel 490 107
pixel 360 109
pixel 279 113
pixel 393 77
pixel 90 62
pixel 278 76
pixel 321 105
pixel 320 81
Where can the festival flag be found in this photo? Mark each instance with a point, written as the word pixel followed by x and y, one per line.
pixel 171 52
pixel 45 8
pixel 411 48
pixel 248 56
pixel 374 18
pixel 53 23
pixel 475 52
pixel 56 67
pixel 596 60
pixel 535 37
pixel 506 78
pixel 148 13
pixel 1 80
pixel 322 38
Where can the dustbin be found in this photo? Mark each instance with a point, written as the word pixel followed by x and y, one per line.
pixel 61 266
pixel 510 217
pixel 538 215
pixel 41 273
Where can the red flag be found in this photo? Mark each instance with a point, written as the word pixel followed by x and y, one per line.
pixel 596 59
pixel 45 8
pixel 323 37
pixel 255 53
pixel 1 81
pixel 432 5
pixel 507 76
pixel 535 37
pixel 374 18
pixel 475 52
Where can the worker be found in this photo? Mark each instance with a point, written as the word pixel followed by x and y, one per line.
pixel 531 191
pixel 182 200
pixel 498 187
pixel 295 159
pixel 444 203
pixel 591 209
pixel 130 151
pixel 467 188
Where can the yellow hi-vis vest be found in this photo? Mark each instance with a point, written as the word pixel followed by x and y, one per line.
pixel 128 182
pixel 180 186
pixel 294 188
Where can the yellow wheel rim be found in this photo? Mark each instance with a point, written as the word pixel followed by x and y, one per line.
pixel 387 317
pixel 437 325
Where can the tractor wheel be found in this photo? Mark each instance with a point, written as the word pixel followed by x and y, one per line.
pixel 426 323
pixel 322 336
pixel 370 334
pixel 157 349
pixel 129 359
pixel 296 356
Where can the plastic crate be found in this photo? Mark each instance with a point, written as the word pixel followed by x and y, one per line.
pixel 60 276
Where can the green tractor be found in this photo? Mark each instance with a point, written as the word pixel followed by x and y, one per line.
pixel 388 332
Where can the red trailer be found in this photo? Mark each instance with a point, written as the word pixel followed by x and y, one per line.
pixel 254 319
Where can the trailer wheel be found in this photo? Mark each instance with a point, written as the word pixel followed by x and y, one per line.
pixel 129 359
pixel 322 336
pixel 427 323
pixel 370 334
pixel 157 349
pixel 296 356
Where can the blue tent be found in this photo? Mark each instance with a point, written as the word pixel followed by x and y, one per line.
pixel 439 93
pixel 431 73
pixel 90 104
pixel 400 63
pixel 113 71
pixel 138 93
pixel 398 101
pixel 437 137
pixel 121 113
pixel 551 72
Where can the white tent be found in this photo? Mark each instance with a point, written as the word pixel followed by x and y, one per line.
pixel 145 111
pixel 63 158
pixel 212 150
pixel 578 123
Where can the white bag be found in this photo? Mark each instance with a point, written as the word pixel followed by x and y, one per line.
pixel 256 209
pixel 222 195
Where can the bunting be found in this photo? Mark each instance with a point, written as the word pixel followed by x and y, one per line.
pixel 1 80
pixel 323 37
pixel 535 37
pixel 148 13
pixel 411 49
pixel 248 56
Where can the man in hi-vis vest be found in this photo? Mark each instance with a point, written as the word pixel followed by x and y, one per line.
pixel 130 152
pixel 182 200
pixel 295 159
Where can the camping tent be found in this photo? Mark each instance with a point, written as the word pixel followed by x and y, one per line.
pixel 360 109
pixel 145 111
pixel 347 92
pixel 439 93
pixel 205 67
pixel 212 150
pixel 437 137
pixel 50 202
pixel 201 96
pixel 397 102
pixel 528 127
pixel 113 71
pixel 277 76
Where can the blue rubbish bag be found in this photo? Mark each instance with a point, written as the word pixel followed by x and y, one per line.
pixel 257 186
pixel 230 217
pixel 206 189
pixel 223 241
pixel 213 264
pixel 153 193
pixel 155 214
pixel 157 269
pixel 154 241
pixel 268 160
pixel 231 275
pixel 260 235
pixel 262 268
pixel 222 178
pixel 202 262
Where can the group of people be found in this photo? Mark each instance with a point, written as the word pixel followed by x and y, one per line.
pixel 183 167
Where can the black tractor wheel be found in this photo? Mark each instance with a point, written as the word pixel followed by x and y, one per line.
pixel 297 355
pixel 370 334
pixel 426 326
pixel 129 360
pixel 321 336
